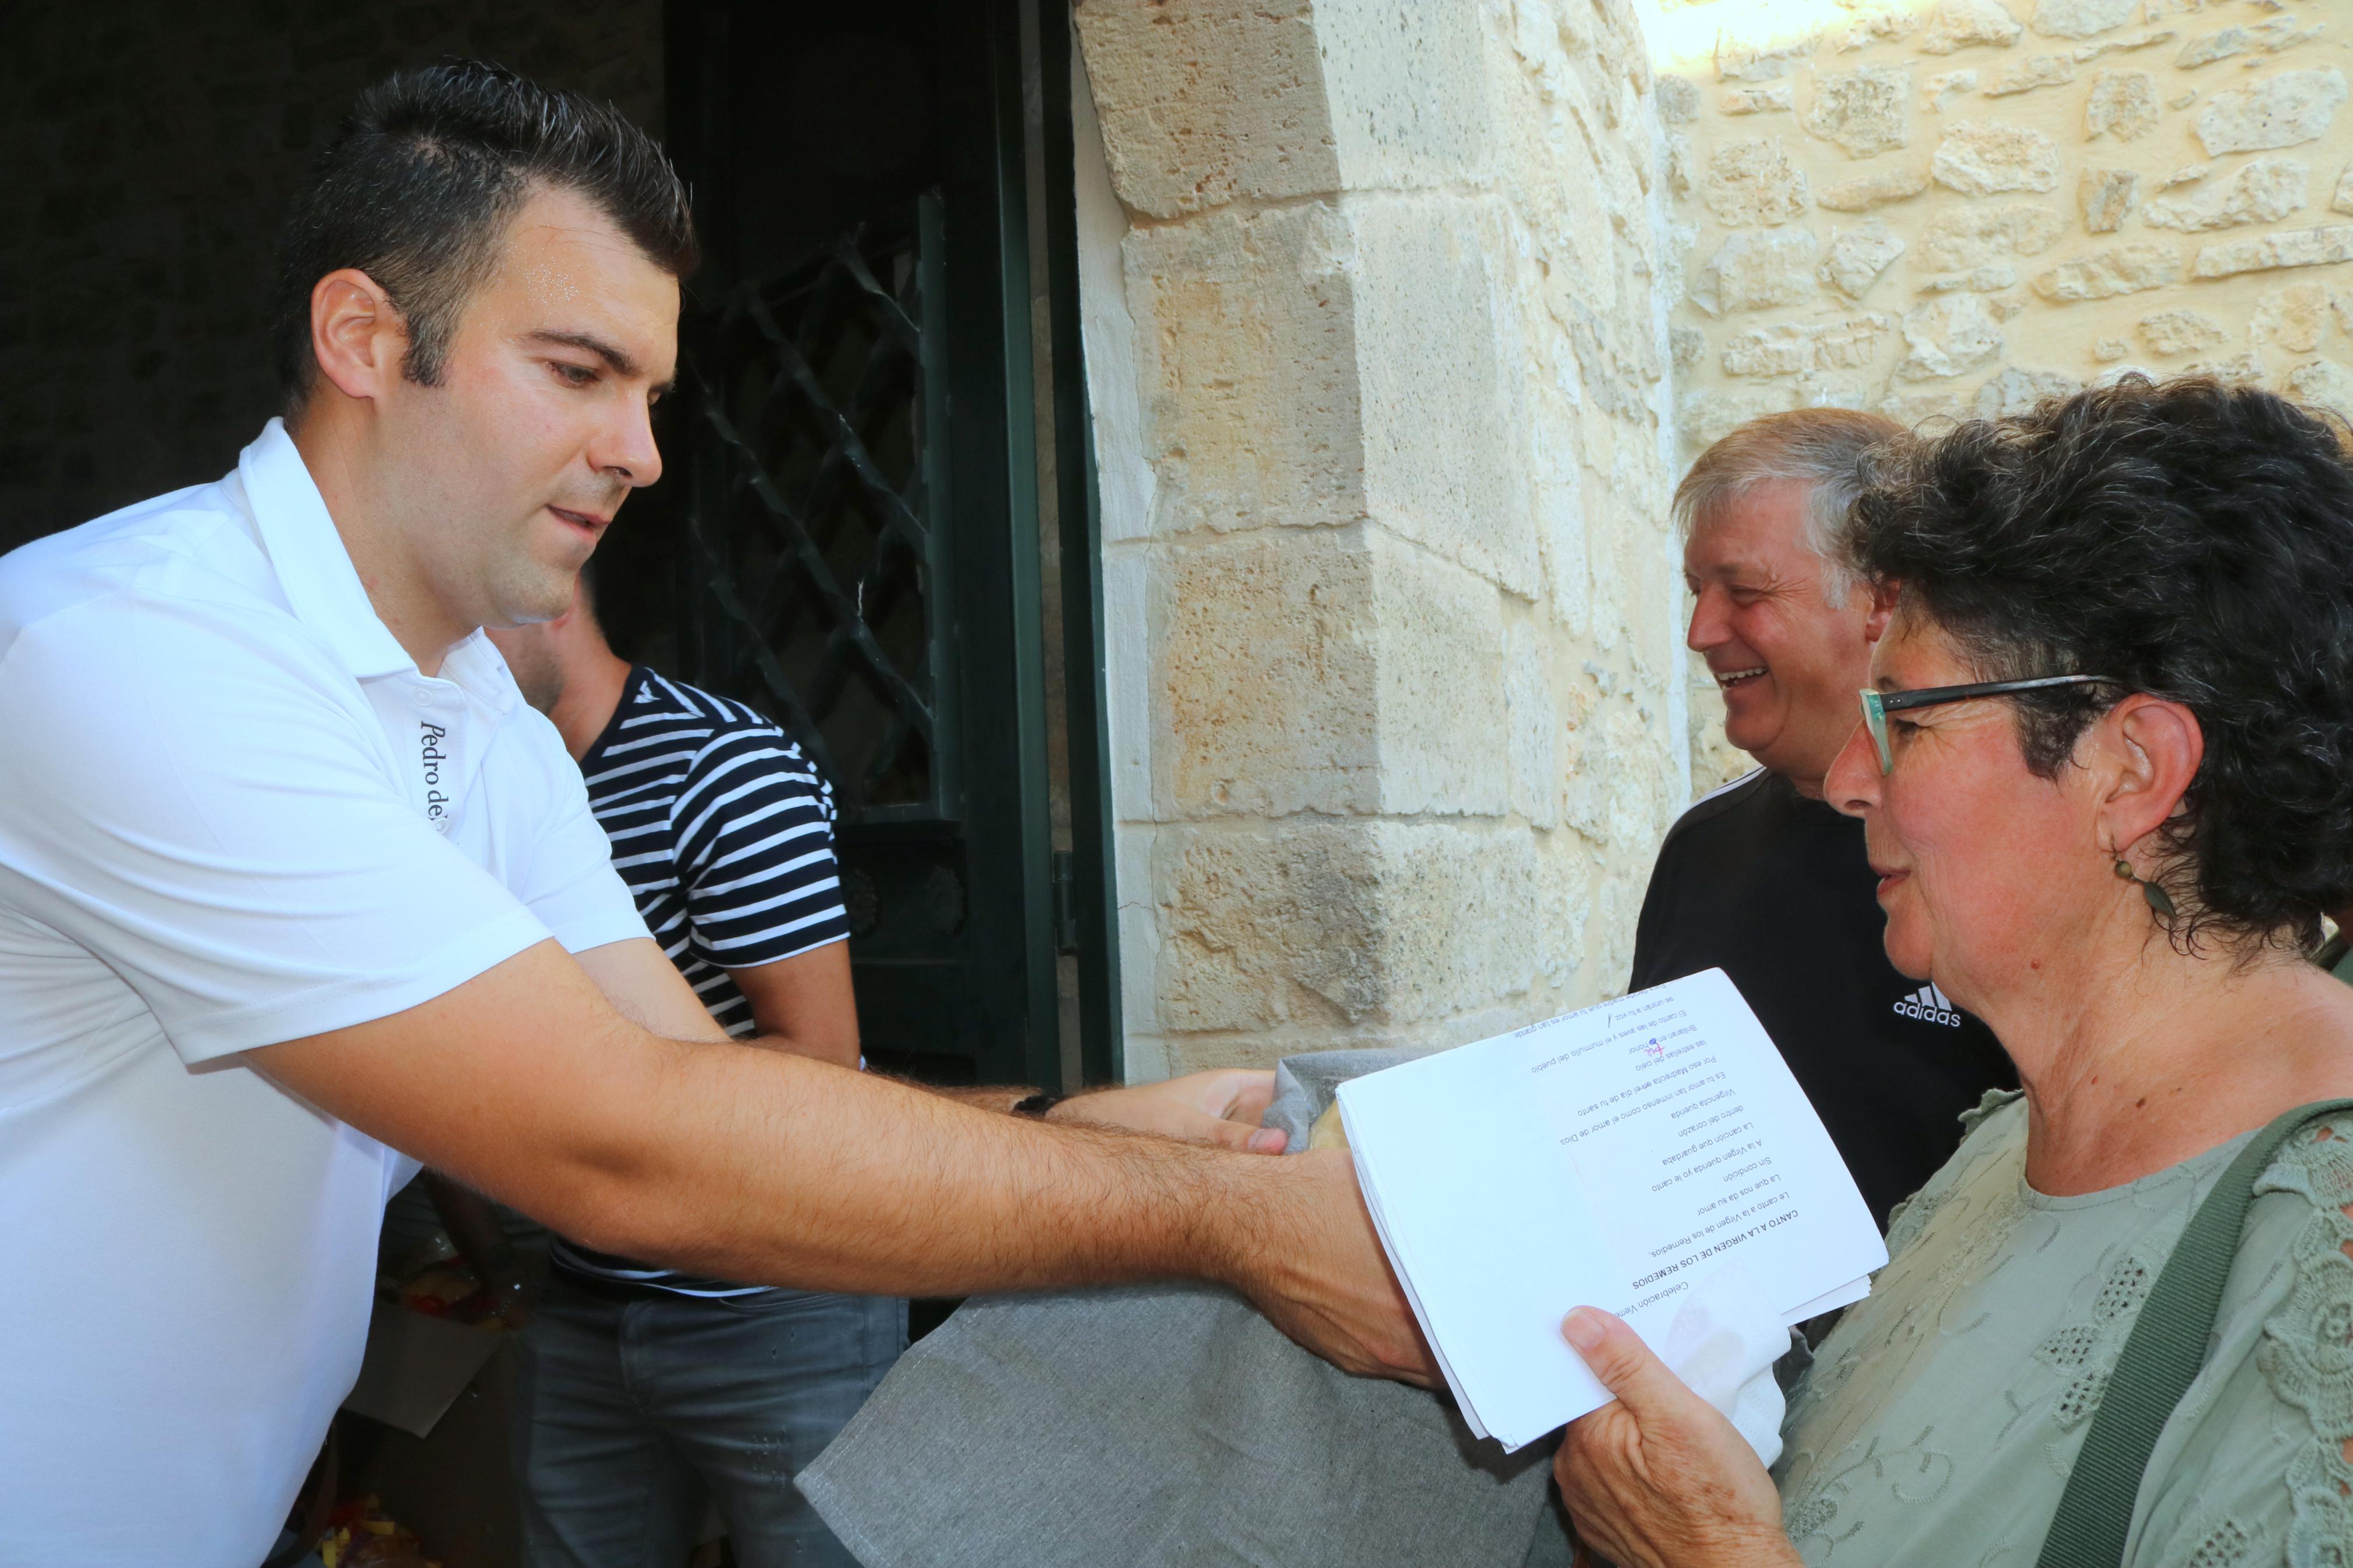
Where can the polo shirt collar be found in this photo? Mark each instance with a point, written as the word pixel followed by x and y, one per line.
pixel 323 588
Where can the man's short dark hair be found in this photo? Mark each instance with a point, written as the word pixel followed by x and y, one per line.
pixel 2194 541
pixel 418 187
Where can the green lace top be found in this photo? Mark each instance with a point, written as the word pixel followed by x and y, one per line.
pixel 1939 1423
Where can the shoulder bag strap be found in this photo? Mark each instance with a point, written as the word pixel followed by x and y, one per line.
pixel 2161 1357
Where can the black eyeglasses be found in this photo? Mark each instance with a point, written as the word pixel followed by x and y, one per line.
pixel 1878 705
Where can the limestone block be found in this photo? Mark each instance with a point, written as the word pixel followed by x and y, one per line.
pixel 2081 18
pixel 2292 317
pixel 1788 348
pixel 1456 903
pixel 1704 418
pixel 2261 190
pixel 2123 105
pixel 1988 279
pixel 2107 197
pixel 2342 201
pixel 1268 676
pixel 2286 110
pixel 1868 191
pixel 2323 383
pixel 1948 336
pixel 1754 182
pixel 1684 345
pixel 2035 71
pixel 1764 46
pixel 2184 176
pixel 2165 334
pixel 1970 236
pixel 2140 40
pixel 1205 105
pixel 2317 246
pixel 1963 23
pixel 1269 926
pixel 1867 112
pixel 2124 268
pixel 1438 637
pixel 1850 342
pixel 2272 35
pixel 2015 391
pixel 1678 99
pixel 1408 91
pixel 1939 90
pixel 1250 385
pixel 2107 351
pixel 1440 348
pixel 1758 271
pixel 1773 98
pixel 1535 724
pixel 1857 257
pixel 1979 158
pixel 2244 368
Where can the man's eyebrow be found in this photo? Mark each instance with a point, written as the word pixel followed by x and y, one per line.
pixel 619 358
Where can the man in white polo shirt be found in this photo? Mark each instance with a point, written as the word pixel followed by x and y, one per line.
pixel 291 878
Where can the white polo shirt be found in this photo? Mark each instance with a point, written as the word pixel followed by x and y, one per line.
pixel 232 813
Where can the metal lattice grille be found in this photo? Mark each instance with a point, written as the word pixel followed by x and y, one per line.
pixel 817 539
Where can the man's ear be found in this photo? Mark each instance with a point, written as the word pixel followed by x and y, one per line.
pixel 356 334
pixel 2151 750
pixel 1882 609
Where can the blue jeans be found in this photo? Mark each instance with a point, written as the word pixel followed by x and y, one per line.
pixel 633 1407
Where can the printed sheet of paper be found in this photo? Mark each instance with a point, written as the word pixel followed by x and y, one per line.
pixel 1607 1158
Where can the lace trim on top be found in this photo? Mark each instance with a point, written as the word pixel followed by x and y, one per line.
pixel 2307 1353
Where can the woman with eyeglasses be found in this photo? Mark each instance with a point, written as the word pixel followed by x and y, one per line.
pixel 2105 771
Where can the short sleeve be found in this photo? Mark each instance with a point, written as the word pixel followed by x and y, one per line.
pixel 754 826
pixel 569 885
pixel 221 828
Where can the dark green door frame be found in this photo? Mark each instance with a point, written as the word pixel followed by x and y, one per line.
pixel 813 513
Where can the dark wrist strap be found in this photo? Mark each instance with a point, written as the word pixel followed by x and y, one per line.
pixel 1037 1105
pixel 2162 1356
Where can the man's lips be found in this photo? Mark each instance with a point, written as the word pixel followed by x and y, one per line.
pixel 1726 680
pixel 587 521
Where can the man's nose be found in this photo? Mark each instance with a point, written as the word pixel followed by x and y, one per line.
pixel 1710 626
pixel 625 448
pixel 1852 783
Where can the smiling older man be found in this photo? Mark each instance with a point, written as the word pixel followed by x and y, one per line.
pixel 1761 879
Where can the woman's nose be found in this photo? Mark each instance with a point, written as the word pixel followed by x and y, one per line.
pixel 1852 783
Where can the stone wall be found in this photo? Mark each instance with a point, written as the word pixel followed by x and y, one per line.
pixel 1377 358
pixel 153 148
pixel 1955 206
pixel 1944 207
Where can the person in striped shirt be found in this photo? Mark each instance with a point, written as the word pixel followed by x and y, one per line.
pixel 644 1391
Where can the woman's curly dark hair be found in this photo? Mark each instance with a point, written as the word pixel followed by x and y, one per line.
pixel 2195 541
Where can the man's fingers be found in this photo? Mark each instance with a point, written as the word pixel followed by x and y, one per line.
pixel 1252 1093
pixel 1617 1356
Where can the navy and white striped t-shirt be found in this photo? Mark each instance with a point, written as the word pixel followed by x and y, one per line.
pixel 723 832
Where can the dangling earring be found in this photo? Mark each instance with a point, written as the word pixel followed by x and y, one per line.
pixel 2158 898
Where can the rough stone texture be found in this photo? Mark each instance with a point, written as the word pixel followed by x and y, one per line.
pixel 2122 160
pixel 1965 24
pixel 2322 247
pixel 2081 18
pixel 2034 71
pixel 1948 336
pixel 2323 383
pixel 1980 158
pixel 1399 708
pixel 2123 104
pixel 1867 110
pixel 1971 236
pixel 1758 271
pixel 1775 97
pixel 2165 334
pixel 1755 182
pixel 2261 190
pixel 153 148
pixel 1858 256
pixel 2106 198
pixel 1866 192
pixel 2288 109
pixel 2015 391
pixel 2128 268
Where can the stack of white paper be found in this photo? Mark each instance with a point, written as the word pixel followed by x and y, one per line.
pixel 1609 1158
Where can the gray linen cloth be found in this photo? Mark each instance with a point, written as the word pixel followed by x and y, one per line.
pixel 1170 1427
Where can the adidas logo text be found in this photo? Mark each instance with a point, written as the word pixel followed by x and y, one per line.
pixel 1929 1005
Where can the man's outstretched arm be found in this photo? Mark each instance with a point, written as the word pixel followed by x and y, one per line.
pixel 526 1083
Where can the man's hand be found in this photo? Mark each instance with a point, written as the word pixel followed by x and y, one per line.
pixel 1222 1107
pixel 1307 1256
pixel 1661 1479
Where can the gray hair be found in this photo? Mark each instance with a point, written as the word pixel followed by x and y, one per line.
pixel 1827 449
